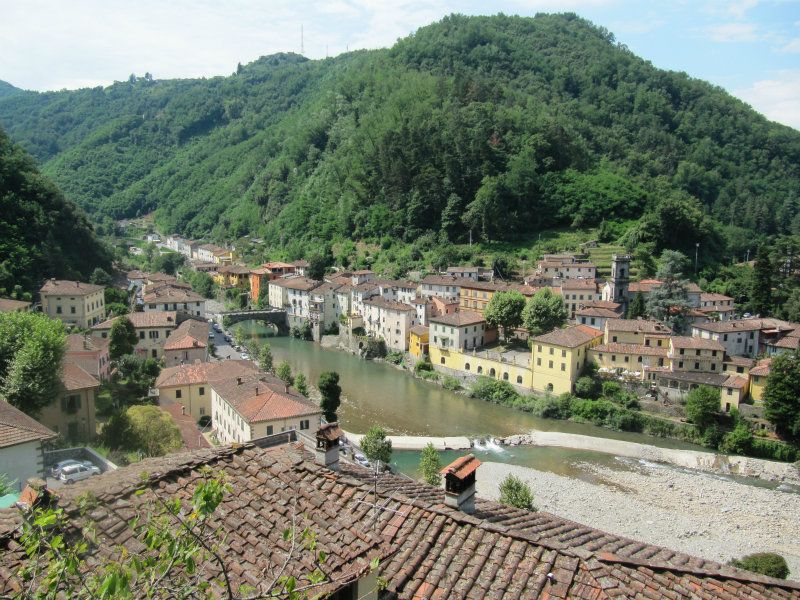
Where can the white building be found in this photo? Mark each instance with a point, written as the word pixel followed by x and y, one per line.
pixel 293 294
pixel 152 329
pixel 462 330
pixel 21 451
pixel 169 297
pixel 389 320
pixel 442 286
pixel 398 291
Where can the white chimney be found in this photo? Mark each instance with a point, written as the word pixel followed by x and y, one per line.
pixel 459 483
pixel 327 451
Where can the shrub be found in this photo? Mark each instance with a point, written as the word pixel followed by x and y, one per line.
pixel 773 450
pixel 450 383
pixel 611 389
pixel 493 390
pixel 738 441
pixel 204 421
pixel 765 563
pixel 702 404
pixel 587 387
pixel 395 357
pixel 423 366
pixel 517 493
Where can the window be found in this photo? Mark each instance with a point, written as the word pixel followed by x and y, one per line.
pixel 563 366
pixel 141 335
pixel 697 366
pixel 549 387
pixel 538 362
pixel 552 351
pixel 58 310
pixel 153 335
pixel 713 367
pixel 505 376
pixel 539 348
pixel 550 365
pixel 563 354
pixel 72 310
pixel 729 391
pixel 639 359
pixel 613 358
pixel 725 338
pixel 697 352
pixel 104 335
pixel 178 394
pixel 442 360
pixel 269 429
pixel 681 352
pixel 492 372
pixel 202 391
pixel 304 424
pixel 627 358
pixel 614 339
pixel 466 367
pixel 680 364
pixel 202 411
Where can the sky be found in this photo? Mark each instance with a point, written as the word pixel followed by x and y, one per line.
pixel 751 48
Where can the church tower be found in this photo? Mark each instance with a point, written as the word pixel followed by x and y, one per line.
pixel 620 278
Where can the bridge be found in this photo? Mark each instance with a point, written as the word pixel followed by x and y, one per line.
pixel 273 316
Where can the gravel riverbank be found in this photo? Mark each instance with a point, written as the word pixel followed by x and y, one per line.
pixel 695 512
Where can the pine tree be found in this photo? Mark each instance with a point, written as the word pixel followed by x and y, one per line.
pixel 430 464
pixel 637 307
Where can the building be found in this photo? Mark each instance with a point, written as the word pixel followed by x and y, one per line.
pixel 300 267
pixel 645 286
pixel 638 360
pixel 72 413
pixel 636 331
pixel 188 343
pixel 558 357
pixel 90 353
pixel 206 252
pixel 228 276
pixel 174 298
pixel 189 384
pixel 224 256
pixel 677 384
pixel 576 292
pixel 758 380
pixel 293 294
pixel 718 306
pixel 152 329
pixel 324 307
pixel 243 409
pixel 390 321
pixel 616 288
pixel 397 291
pixel 73 302
pixel 418 341
pixel 596 313
pixel 21 446
pixel 462 330
pixel 565 266
pixel 472 273
pixel 740 337
pixel 360 293
pixel 440 286
pixel 695 354
pixel 10 305
pixel 428 542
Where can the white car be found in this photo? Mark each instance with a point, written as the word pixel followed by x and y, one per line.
pixel 245 356
pixel 57 468
pixel 72 473
pixel 361 459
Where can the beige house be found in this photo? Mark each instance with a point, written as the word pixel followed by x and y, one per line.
pixel 189 384
pixel 244 409
pixel 389 320
pixel 696 354
pixel 576 292
pixel 187 344
pixel 73 302
pixel 72 414
pixel 636 331
pixel 173 297
pixel 462 330
pixel 90 353
pixel 21 451
pixel 152 329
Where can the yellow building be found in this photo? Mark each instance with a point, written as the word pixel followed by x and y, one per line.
pixel 476 295
pixel 223 256
pixel 636 331
pixel 232 276
pixel 758 380
pixel 637 359
pixel 559 357
pixel 511 366
pixel 72 415
pixel 73 302
pixel 418 341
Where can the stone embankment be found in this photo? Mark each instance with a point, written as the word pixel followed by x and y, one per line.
pixel 690 511
pixel 704 461
pixel 408 442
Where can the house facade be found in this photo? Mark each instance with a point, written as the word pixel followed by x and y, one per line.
pixel 73 302
pixel 152 330
pixel 389 320
pixel 90 353
pixel 72 413
pixel 558 357
pixel 188 343
pixel 21 446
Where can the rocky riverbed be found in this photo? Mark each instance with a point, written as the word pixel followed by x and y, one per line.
pixel 694 512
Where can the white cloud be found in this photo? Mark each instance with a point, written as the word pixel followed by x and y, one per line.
pixel 732 32
pixel 735 9
pixel 778 98
pixel 792 47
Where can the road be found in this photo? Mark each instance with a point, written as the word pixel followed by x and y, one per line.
pixel 224 349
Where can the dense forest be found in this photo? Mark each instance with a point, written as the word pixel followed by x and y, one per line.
pixel 499 126
pixel 42 234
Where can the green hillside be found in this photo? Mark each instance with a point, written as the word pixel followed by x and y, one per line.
pixel 6 89
pixel 503 126
pixel 41 233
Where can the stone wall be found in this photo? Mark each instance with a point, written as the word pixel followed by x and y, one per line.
pixel 51 457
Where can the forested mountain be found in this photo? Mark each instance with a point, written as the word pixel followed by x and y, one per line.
pixel 6 89
pixel 41 233
pixel 500 125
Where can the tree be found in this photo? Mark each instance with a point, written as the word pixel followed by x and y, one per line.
pixel 544 311
pixel 430 464
pixel 316 266
pixel 505 310
pixel 765 563
pixel 517 493
pixel 168 263
pixel 587 387
pixel 637 307
pixel 100 277
pixel 702 404
pixel 117 301
pixel 782 395
pixel 122 338
pixel 376 446
pixel 284 373
pixel 669 302
pixel 331 392
pixel 761 295
pixel 301 384
pixel 265 357
pixel 31 354
pixel 155 432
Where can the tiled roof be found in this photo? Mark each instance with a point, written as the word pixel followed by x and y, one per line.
pixel 762 368
pixel 736 382
pixel 713 379
pixel 459 318
pixel 204 372
pixel 296 283
pixel 733 325
pixel 190 434
pixel 64 287
pixel 441 280
pixel 578 284
pixel 570 337
pixel 189 334
pixel 712 297
pixel 264 398
pixel 381 302
pixel 739 361
pixel 18 428
pixel 277 265
pixel 425 549
pixel 172 294
pixel 234 269
pixel 367 286
pixel 637 325
pixel 462 466
pixel 326 287
pixel 9 305
pixel 419 330
pixel 789 342
pixel 615 347
pixel 301 263
pixel 78 342
pixel 607 304
pixel 695 343
pixel 141 320
pixel 363 272
pixel 462 269
pixel 74 377
pixel 592 311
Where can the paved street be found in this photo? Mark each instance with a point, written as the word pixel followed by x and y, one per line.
pixel 224 349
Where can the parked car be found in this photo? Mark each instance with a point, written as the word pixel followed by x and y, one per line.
pixel 228 339
pixel 245 356
pixel 211 335
pixel 59 466
pixel 73 473
pixel 217 328
pixel 361 459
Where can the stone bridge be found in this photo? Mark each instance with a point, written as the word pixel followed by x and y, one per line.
pixel 273 316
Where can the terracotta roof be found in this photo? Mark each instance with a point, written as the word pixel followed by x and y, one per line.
pixel 578 284
pixel 591 311
pixel 9 305
pixel 74 377
pixel 78 343
pixel 381 302
pixel 441 280
pixel 204 372
pixel 712 379
pixel 459 318
pixel 264 398
pixel 712 297
pixel 329 431
pixel 695 343
pixel 426 549
pixel 301 263
pixel 570 337
pixel 462 269
pixel 608 304
pixel 733 325
pixel 739 361
pixel 192 438
pixel 162 277
pixel 789 342
pixel 736 382
pixel 326 287
pixel 18 428
pixel 296 283
pixel 367 286
pixel 632 349
pixel 65 287
pixel 234 269
pixel 277 265
pixel 637 325
pixel 419 330
pixel 762 369
pixel 170 293
pixel 363 272
pixel 462 467
pixel 141 320
pixel 189 334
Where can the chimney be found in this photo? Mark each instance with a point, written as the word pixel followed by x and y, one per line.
pixel 256 390
pixel 459 483
pixel 327 452
pixel 238 381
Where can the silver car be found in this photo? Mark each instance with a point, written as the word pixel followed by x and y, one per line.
pixel 56 470
pixel 73 473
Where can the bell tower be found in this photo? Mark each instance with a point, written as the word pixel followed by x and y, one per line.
pixel 620 278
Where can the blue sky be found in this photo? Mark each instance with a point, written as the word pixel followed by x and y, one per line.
pixel 749 47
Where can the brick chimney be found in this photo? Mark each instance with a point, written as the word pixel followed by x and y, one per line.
pixel 327 452
pixel 459 483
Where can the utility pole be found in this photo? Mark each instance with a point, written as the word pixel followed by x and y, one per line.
pixel 470 237
pixel 696 251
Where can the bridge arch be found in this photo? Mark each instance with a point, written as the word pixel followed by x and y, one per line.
pixel 273 316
